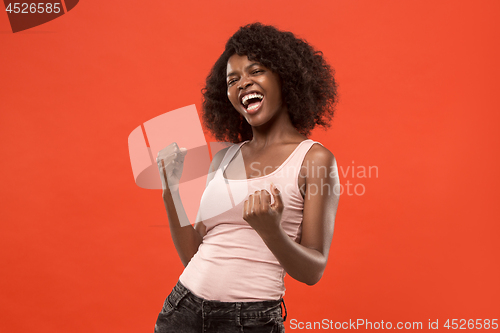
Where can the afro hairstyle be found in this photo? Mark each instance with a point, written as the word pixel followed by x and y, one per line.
pixel 308 86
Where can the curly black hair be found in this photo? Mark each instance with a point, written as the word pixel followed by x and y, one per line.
pixel 308 87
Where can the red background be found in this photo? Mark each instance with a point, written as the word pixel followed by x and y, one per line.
pixel 83 249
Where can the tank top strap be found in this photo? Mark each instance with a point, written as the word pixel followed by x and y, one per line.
pixel 230 154
pixel 296 159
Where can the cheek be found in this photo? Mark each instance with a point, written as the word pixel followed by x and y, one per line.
pixel 233 99
pixel 276 98
pixel 230 96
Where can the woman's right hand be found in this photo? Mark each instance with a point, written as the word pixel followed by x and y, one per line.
pixel 170 162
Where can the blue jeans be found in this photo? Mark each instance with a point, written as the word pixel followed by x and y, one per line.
pixel 184 312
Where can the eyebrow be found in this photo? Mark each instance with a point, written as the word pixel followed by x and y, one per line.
pixel 246 68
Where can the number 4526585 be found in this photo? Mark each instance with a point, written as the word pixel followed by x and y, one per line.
pixel 41 7
pixel 471 324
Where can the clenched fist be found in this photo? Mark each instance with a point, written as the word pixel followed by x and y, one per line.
pixel 263 216
pixel 170 162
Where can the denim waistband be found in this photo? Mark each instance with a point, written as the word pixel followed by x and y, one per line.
pixel 226 309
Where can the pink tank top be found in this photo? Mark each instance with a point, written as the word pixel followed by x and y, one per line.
pixel 233 264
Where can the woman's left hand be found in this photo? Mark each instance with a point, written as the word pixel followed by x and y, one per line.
pixel 263 216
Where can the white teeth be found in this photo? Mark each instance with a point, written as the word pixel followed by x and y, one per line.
pixel 245 98
pixel 253 107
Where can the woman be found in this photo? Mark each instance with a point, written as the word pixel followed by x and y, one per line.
pixel 270 202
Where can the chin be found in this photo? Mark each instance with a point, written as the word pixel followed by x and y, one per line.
pixel 255 123
pixel 255 120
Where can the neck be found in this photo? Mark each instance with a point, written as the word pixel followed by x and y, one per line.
pixel 277 130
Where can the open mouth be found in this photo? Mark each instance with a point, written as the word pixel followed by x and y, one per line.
pixel 252 101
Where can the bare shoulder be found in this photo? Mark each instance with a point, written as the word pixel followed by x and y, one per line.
pixel 320 153
pixel 319 156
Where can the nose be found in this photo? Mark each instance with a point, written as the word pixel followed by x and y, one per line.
pixel 245 82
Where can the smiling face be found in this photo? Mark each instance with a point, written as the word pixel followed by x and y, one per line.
pixel 253 90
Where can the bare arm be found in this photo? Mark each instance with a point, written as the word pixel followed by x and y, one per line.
pixel 306 261
pixel 186 238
